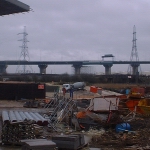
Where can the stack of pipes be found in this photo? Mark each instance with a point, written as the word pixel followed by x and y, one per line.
pixel 14 132
pixel 19 116
pixel 21 125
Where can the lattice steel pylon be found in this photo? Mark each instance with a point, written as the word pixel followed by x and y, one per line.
pixel 24 56
pixel 134 56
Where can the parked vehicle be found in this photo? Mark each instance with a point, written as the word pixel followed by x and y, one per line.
pixel 75 86
pixel 79 85
pixel 67 86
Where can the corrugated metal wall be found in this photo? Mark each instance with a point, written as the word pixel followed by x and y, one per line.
pixel 17 91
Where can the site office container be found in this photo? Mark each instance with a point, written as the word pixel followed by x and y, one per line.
pixel 17 91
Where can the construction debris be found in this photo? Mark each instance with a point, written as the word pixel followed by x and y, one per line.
pixel 105 117
pixel 31 104
pixel 109 125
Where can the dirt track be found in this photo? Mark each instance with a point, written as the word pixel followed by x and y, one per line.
pixel 117 86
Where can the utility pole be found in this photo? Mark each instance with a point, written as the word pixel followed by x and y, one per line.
pixel 24 56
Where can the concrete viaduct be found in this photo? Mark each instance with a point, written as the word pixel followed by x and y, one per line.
pixel 76 64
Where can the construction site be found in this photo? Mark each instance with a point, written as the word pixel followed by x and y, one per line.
pixel 84 111
pixel 101 116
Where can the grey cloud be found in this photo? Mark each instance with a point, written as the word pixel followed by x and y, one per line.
pixel 78 30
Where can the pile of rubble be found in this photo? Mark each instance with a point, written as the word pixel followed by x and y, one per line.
pixel 111 139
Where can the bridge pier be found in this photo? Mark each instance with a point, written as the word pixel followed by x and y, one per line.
pixel 107 68
pixel 3 68
pixel 77 68
pixel 134 69
pixel 42 69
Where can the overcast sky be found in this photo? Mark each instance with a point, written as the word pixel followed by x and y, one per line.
pixel 78 30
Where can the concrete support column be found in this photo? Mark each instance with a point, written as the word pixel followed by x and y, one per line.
pixel 42 69
pixel 134 69
pixel 3 68
pixel 107 69
pixel 77 68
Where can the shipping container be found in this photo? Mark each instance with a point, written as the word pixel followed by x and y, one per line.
pixel 17 91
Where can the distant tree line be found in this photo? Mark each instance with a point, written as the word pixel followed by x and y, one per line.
pixel 88 78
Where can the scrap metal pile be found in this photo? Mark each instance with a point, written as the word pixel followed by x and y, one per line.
pixel 134 132
pixel 100 112
pixel 21 125
pixel 122 129
pixel 139 100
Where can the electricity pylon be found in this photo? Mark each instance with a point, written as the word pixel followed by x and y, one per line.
pixel 134 54
pixel 24 56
